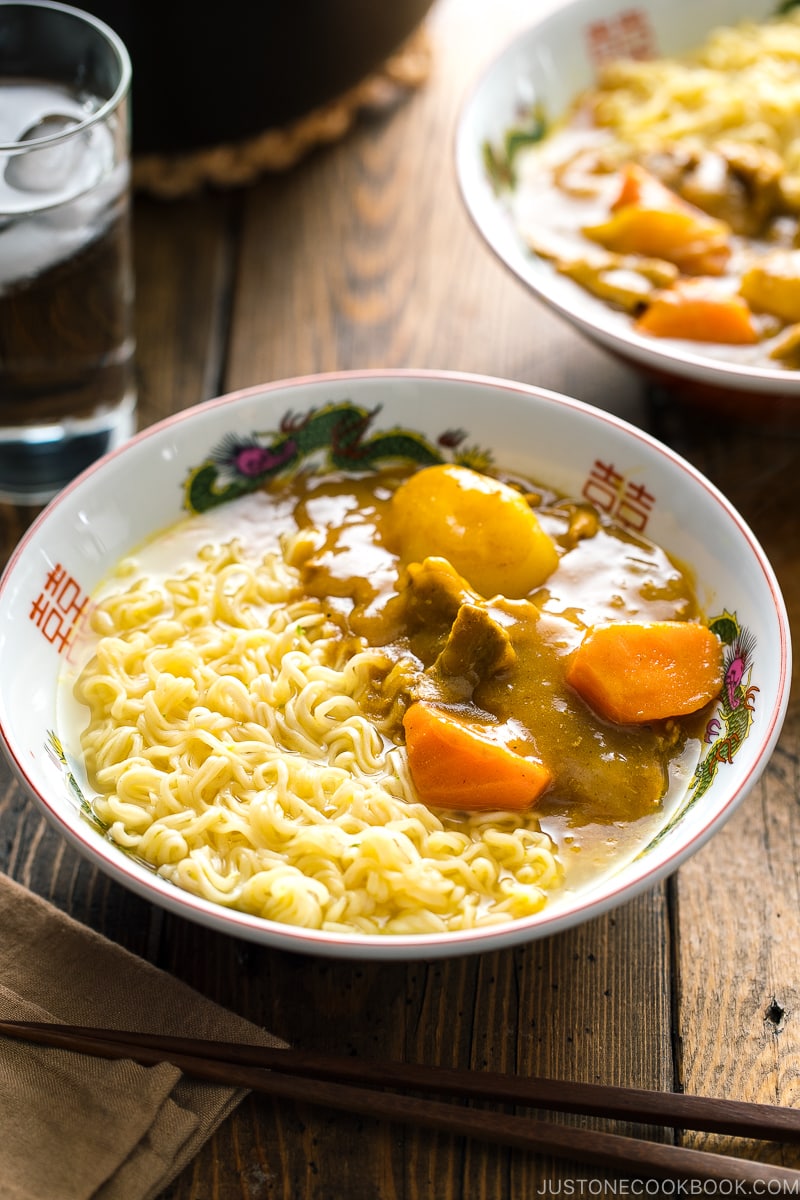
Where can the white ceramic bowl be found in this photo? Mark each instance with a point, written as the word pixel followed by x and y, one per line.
pixel 549 64
pixel 140 489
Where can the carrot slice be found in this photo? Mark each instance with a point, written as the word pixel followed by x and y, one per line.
pixel 456 765
pixel 640 186
pixel 632 673
pixel 694 310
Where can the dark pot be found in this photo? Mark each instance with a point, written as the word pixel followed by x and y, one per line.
pixel 206 75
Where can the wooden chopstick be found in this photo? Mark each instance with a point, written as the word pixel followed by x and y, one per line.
pixel 675 1109
pixel 309 1078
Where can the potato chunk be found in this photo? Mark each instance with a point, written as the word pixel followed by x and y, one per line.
pixel 485 528
pixel 647 218
pixel 772 285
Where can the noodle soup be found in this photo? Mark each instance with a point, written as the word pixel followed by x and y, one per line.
pixel 245 661
pixel 670 193
pixel 249 673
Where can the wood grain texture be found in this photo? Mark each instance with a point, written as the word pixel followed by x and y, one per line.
pixel 184 260
pixel 738 900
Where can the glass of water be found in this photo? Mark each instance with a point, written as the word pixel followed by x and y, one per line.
pixel 67 384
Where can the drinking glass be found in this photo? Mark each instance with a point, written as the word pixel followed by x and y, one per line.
pixel 67 383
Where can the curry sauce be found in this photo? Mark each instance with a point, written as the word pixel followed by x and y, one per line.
pixel 608 779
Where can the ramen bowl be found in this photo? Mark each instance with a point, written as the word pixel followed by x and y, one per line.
pixel 199 469
pixel 526 92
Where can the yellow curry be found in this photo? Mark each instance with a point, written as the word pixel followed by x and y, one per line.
pixel 487 596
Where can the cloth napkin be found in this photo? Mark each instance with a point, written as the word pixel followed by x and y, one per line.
pixel 75 1127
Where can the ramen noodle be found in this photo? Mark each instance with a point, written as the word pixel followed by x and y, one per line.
pixel 742 83
pixel 233 758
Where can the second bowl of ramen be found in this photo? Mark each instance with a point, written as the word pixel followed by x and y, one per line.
pixel 390 663
pixel 648 189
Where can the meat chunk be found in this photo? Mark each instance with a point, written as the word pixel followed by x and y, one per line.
pixel 477 647
pixel 734 181
pixel 456 636
pixel 436 592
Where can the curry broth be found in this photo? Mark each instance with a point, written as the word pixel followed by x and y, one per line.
pixel 614 784
pixel 563 186
pixel 667 198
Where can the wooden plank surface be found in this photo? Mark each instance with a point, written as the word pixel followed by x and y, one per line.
pixel 363 256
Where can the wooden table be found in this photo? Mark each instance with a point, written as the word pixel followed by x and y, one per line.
pixel 363 256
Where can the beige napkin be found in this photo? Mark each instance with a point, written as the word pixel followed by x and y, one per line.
pixel 74 1127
